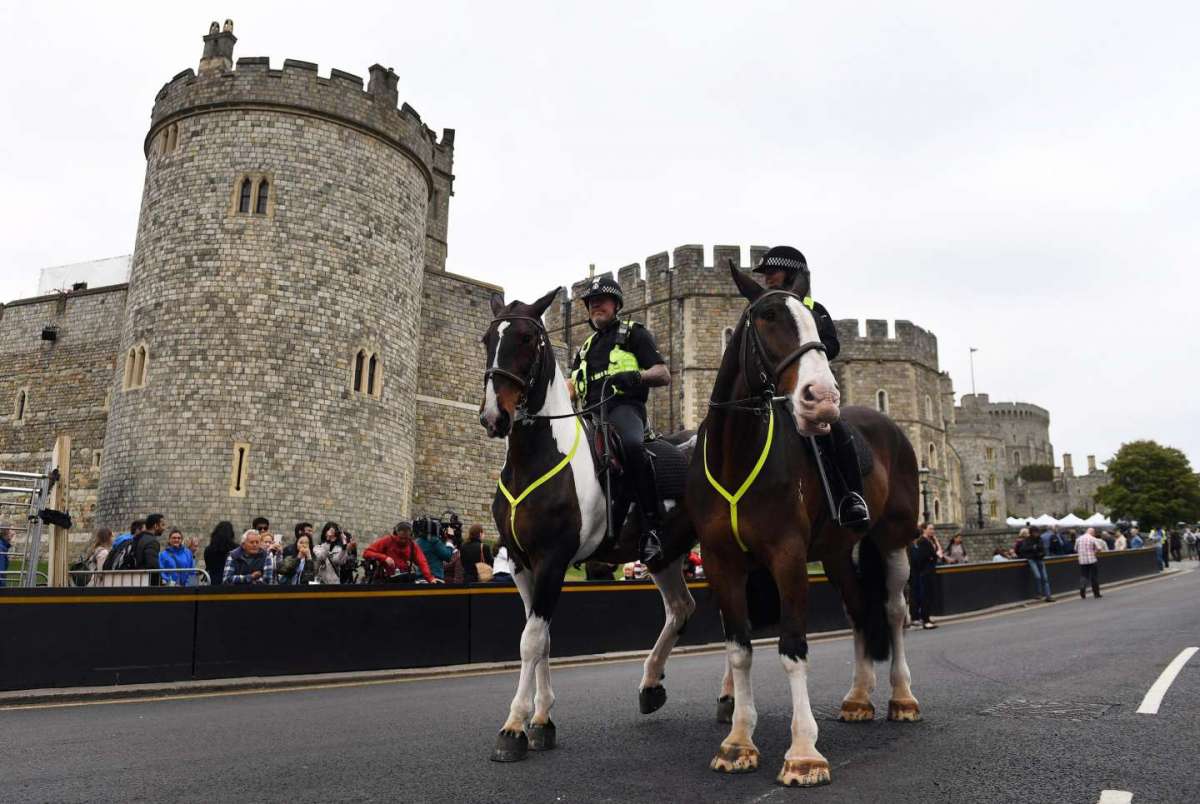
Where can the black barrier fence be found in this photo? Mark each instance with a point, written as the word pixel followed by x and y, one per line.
pixel 78 637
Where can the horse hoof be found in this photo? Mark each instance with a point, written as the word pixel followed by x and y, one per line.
pixel 510 747
pixel 857 712
pixel 651 699
pixel 904 711
pixel 803 773
pixel 543 736
pixel 735 759
pixel 725 709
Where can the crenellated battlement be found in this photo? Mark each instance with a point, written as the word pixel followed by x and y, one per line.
pixel 340 97
pixel 678 273
pixel 881 340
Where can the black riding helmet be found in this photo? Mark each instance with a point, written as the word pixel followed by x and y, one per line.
pixel 783 258
pixel 604 286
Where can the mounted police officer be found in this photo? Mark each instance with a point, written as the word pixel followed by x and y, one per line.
pixel 785 268
pixel 625 353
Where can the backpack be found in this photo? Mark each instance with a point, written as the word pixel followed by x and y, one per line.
pixel 123 557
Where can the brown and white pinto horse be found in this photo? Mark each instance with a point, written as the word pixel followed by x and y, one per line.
pixel 773 391
pixel 559 517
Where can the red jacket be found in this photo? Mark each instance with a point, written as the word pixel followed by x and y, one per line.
pixel 389 547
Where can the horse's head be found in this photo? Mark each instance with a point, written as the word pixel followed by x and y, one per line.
pixel 784 347
pixel 518 353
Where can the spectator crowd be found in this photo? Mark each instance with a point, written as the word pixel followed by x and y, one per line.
pixel 426 552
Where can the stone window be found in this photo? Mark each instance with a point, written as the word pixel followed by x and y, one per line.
pixel 244 196
pixel 929 407
pixel 20 405
pixel 252 196
pixel 937 510
pixel 991 453
pixel 137 363
pixel 96 458
pixel 993 509
pixel 991 482
pixel 932 457
pixel 260 200
pixel 239 469
pixel 881 400
pixel 367 378
pixel 1017 458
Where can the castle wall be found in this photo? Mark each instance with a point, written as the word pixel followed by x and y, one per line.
pixel 67 381
pixel 252 321
pixel 456 464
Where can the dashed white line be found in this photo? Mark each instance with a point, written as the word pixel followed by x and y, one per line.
pixel 1156 692
pixel 1115 797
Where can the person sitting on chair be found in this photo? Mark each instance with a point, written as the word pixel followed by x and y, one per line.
pixel 785 268
pixel 625 353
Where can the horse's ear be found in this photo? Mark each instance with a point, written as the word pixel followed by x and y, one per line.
pixel 745 284
pixel 543 304
pixel 497 303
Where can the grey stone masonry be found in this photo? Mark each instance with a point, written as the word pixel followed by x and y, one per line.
pixel 65 382
pixel 253 322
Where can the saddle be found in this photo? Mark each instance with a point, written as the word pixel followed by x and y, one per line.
pixel 670 455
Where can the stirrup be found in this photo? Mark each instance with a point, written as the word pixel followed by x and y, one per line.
pixel 853 513
pixel 650 547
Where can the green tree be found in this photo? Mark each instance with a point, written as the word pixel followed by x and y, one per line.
pixel 1152 484
pixel 1036 473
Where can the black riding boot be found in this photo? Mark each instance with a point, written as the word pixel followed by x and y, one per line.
pixel 650 543
pixel 852 510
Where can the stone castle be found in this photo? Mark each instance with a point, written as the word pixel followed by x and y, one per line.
pixel 289 343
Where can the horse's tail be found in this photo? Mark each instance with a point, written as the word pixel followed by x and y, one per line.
pixel 873 581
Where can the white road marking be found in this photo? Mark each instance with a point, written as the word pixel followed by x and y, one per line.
pixel 1115 797
pixel 1155 695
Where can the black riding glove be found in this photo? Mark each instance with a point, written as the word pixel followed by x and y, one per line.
pixel 627 381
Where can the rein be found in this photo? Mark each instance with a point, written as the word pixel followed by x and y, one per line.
pixel 764 402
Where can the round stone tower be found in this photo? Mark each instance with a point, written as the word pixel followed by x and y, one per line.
pixel 270 341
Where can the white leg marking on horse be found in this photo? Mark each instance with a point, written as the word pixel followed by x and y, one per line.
pixel 745 716
pixel 535 641
pixel 863 682
pixel 678 605
pixel 543 700
pixel 804 725
pixel 897 576
pixel 727 680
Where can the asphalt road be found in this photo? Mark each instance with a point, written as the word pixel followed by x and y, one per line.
pixel 1033 706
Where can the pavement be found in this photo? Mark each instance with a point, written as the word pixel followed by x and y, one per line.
pixel 1034 705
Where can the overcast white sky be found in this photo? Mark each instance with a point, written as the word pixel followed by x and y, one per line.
pixel 1020 177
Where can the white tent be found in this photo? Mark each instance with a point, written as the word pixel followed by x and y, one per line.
pixel 1072 521
pixel 1016 522
pixel 1045 521
pixel 1098 520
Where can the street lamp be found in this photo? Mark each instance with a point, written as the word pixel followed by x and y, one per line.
pixel 978 484
pixel 924 473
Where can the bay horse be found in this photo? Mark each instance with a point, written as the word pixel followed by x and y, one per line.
pixel 550 512
pixel 774 390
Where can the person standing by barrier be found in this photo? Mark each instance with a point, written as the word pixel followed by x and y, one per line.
pixel 1089 547
pixel 400 555
pixel 502 566
pixel 1136 542
pixel 434 548
pixel 6 540
pixel 146 549
pixel 1176 540
pixel 474 552
pixel 1030 548
pixel 249 564
pixel 1120 543
pixel 177 556
pixel 330 555
pixel 923 557
pixel 956 551
pixel 1189 541
pixel 298 569
pixel 97 551
pixel 220 545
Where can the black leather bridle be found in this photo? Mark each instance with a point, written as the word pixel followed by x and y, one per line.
pixel 754 357
pixel 530 384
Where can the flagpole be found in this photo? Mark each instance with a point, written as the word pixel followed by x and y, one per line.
pixel 973 351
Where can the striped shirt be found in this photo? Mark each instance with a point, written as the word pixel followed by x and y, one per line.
pixel 1087 547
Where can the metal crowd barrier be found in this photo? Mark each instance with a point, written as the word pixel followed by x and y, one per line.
pixel 8 575
pixel 135 577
